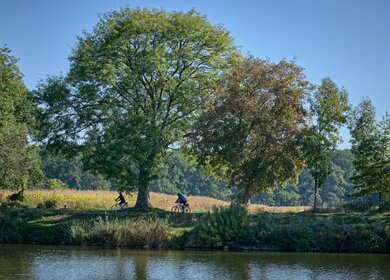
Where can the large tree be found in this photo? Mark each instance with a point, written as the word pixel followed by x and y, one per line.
pixel 329 108
pixel 19 161
pixel 134 86
pixel 251 127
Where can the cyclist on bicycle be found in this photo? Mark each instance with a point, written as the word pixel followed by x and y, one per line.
pixel 181 199
pixel 121 198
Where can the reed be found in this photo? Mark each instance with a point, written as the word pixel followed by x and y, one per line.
pixel 141 233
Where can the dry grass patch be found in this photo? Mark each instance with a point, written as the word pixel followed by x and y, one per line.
pixel 90 199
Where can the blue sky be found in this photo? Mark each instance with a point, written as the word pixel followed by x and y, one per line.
pixel 348 41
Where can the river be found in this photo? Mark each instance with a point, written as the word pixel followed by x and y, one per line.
pixel 64 262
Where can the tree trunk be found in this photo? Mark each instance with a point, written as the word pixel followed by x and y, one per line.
pixel 143 189
pixel 315 195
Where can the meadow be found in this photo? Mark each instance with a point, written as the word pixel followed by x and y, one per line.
pixel 103 200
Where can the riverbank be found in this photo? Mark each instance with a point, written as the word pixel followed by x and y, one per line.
pixel 222 229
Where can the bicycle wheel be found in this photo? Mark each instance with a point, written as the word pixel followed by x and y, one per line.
pixel 123 206
pixel 175 209
pixel 187 209
pixel 114 207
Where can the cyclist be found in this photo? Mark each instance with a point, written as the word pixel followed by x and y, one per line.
pixel 181 199
pixel 121 198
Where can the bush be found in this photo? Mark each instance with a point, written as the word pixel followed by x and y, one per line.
pixel 385 206
pixel 19 196
pixel 51 203
pixel 359 206
pixel 9 230
pixel 56 184
pixel 223 227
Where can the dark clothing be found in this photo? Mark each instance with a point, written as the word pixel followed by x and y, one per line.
pixel 121 198
pixel 181 199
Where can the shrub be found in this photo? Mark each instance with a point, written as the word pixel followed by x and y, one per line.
pixel 385 206
pixel 359 206
pixel 19 196
pixel 56 184
pixel 51 203
pixel 223 227
pixel 9 230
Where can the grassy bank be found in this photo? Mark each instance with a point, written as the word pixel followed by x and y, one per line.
pixel 223 228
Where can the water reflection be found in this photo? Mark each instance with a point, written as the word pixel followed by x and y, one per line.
pixel 45 262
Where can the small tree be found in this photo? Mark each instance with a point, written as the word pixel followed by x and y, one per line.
pixel 249 130
pixel 328 108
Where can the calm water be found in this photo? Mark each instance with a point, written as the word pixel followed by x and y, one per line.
pixel 48 262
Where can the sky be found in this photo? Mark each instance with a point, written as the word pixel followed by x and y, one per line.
pixel 345 40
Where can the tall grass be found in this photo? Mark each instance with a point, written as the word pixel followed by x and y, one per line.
pixel 90 199
pixel 150 232
pixel 9 230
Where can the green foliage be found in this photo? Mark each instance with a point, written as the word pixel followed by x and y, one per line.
pixel 224 226
pixel 250 128
pixel 19 161
pixel 19 196
pixel 134 86
pixel 9 230
pixel 318 233
pixel 329 108
pixel 385 206
pixel 371 150
pixel 149 232
pixel 71 172
pixel 51 204
pixel 56 184
pixel 180 175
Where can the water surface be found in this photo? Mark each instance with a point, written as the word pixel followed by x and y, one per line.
pixel 64 262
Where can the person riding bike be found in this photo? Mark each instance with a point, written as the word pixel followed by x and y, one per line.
pixel 121 198
pixel 181 199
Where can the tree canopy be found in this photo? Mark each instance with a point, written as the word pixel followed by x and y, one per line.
pixel 134 85
pixel 19 162
pixel 252 125
pixel 371 149
pixel 329 109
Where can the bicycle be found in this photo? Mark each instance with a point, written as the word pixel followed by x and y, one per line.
pixel 118 206
pixel 183 208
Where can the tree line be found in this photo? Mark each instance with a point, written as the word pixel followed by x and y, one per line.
pixel 146 86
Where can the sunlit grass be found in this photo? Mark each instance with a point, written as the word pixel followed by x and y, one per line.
pixel 90 199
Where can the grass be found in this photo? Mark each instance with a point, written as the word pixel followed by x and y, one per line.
pixel 158 228
pixel 88 220
pixel 103 200
pixel 150 232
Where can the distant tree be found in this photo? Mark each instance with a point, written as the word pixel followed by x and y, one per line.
pixel 338 188
pixel 179 175
pixel 70 171
pixel 134 86
pixel 329 109
pixel 382 167
pixel 371 149
pixel 250 129
pixel 19 161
